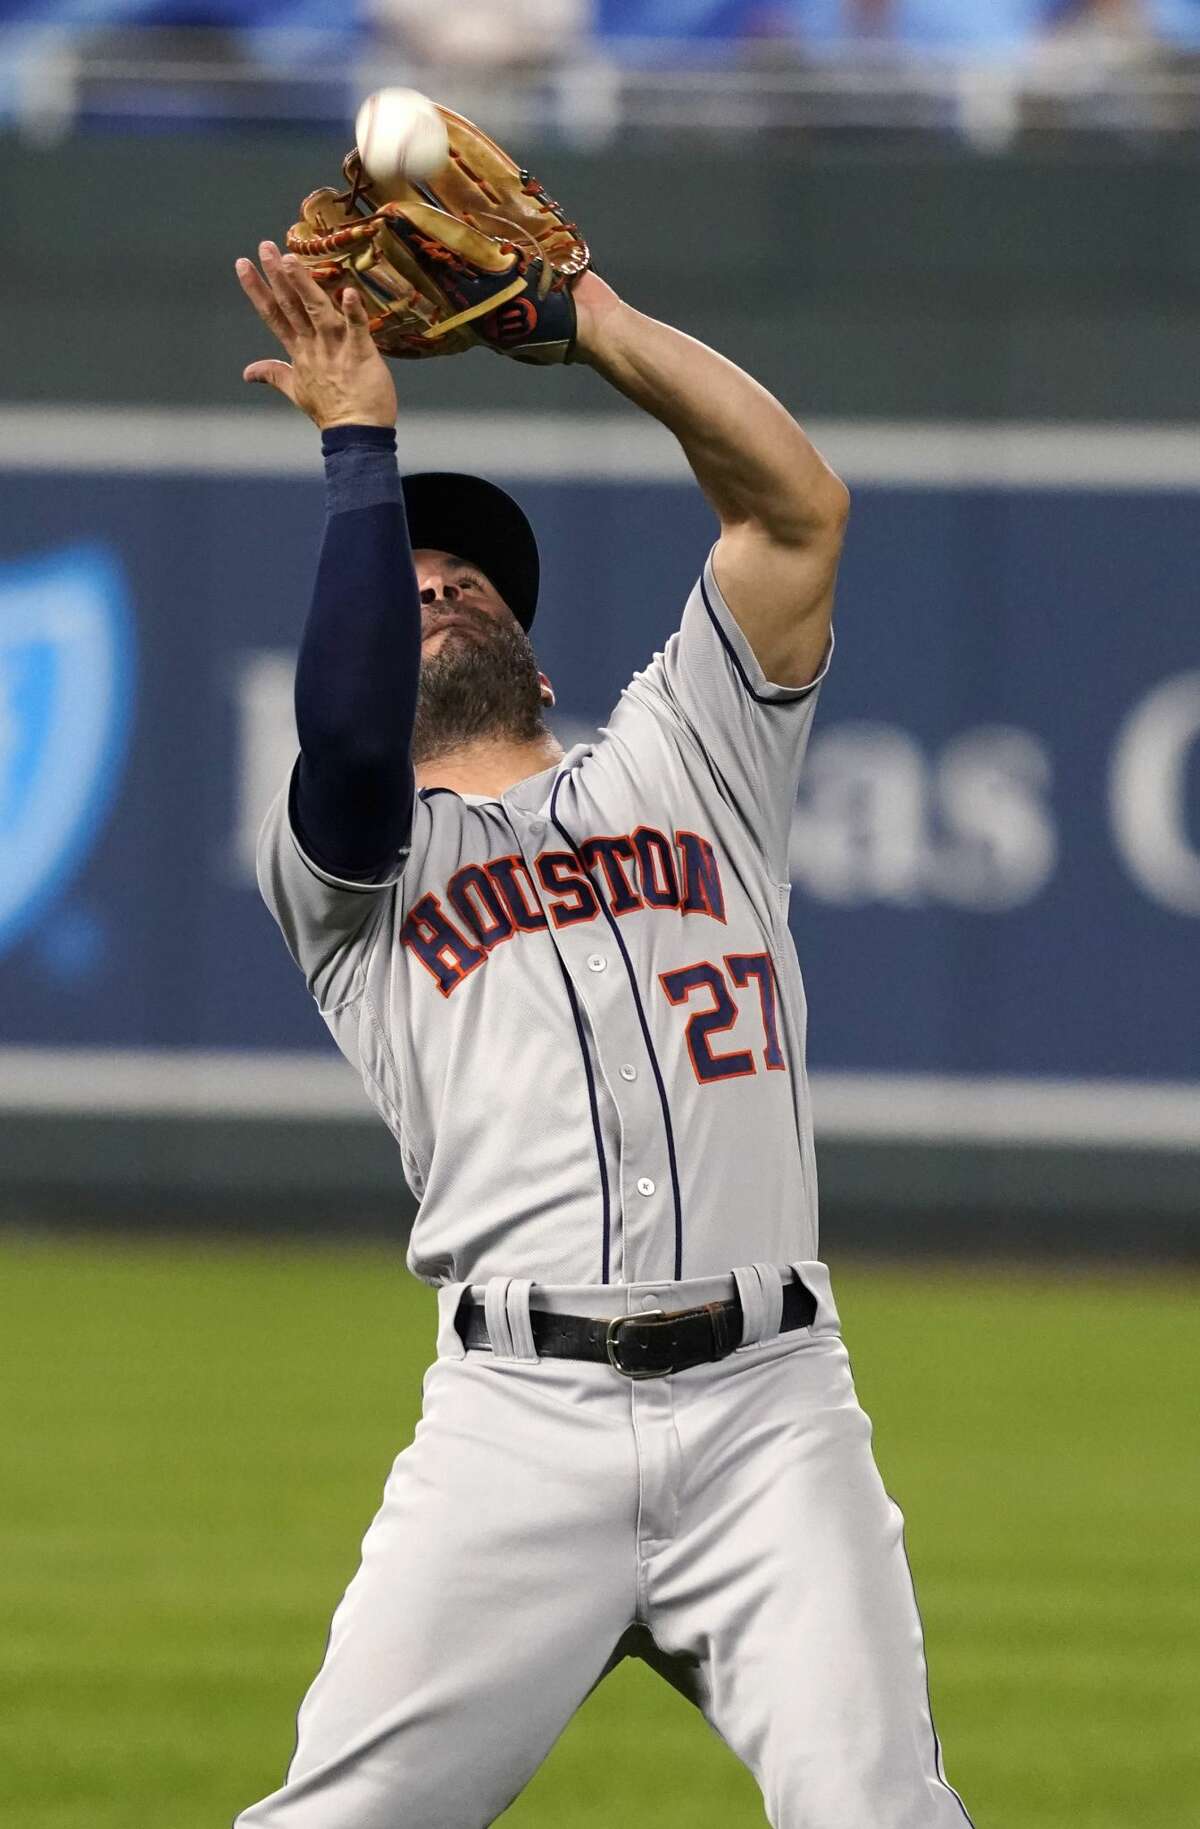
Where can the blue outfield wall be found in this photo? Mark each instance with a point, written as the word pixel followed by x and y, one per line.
pixel 996 850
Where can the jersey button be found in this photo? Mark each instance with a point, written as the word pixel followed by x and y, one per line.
pixel 597 962
pixel 645 1185
pixel 628 1072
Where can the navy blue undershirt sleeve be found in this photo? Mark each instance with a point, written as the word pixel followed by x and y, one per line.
pixel 358 668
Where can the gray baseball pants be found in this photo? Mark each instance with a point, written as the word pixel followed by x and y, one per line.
pixel 550 1517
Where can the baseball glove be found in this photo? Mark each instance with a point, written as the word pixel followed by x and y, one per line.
pixel 478 255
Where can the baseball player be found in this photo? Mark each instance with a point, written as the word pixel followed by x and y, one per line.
pixel 569 987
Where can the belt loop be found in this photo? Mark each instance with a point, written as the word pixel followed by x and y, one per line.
pixel 760 1287
pixel 520 1327
pixel 815 1277
pixel 506 1311
pixel 449 1340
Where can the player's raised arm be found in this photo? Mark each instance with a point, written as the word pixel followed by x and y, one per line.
pixel 360 653
pixel 781 509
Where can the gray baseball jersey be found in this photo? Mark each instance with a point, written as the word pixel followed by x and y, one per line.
pixel 579 1011
pixel 577 1006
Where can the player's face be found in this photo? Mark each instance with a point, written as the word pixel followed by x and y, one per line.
pixel 455 595
pixel 479 678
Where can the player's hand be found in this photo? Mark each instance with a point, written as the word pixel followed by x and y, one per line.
pixel 336 375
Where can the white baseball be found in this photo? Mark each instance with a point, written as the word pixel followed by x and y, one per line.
pixel 400 134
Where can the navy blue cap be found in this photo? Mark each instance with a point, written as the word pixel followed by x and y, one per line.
pixel 477 521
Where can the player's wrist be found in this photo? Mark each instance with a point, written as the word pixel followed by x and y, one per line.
pixel 361 470
pixel 599 315
pixel 373 422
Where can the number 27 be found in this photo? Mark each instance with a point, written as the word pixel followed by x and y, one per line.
pixel 680 985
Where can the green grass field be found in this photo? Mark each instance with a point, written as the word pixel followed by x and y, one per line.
pixel 194 1439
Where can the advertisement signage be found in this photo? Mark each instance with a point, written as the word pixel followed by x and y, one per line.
pixel 995 852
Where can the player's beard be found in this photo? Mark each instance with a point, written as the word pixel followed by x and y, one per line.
pixel 481 685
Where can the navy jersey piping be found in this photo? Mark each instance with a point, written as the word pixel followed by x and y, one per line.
pixel 572 999
pixel 645 1027
pixel 760 698
pixel 593 1104
pixel 938 1770
pixel 347 884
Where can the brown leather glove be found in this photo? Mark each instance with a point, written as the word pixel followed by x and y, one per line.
pixel 476 255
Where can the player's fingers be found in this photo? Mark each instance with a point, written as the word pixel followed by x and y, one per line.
pixel 322 314
pixel 263 300
pixel 354 310
pixel 282 290
pixel 279 375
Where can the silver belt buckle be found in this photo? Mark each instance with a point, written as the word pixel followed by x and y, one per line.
pixel 612 1346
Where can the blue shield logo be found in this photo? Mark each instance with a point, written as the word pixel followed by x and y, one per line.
pixel 66 672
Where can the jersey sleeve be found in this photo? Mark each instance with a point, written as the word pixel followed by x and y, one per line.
pixel 748 734
pixel 329 924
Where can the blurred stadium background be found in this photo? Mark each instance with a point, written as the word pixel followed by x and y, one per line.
pixel 959 238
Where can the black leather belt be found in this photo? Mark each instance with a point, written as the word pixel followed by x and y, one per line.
pixel 646 1345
